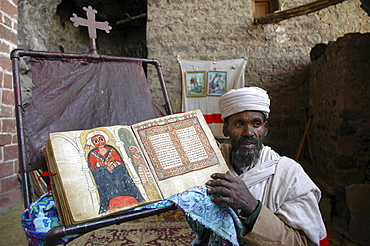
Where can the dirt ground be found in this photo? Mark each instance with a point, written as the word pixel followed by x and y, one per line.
pixel 11 232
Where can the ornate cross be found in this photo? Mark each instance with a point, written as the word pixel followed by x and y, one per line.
pixel 91 24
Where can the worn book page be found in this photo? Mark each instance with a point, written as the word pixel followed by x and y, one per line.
pixel 99 171
pixel 182 151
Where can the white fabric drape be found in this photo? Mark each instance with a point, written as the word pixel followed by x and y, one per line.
pixel 235 69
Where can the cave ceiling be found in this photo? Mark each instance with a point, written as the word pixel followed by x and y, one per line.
pixel 120 14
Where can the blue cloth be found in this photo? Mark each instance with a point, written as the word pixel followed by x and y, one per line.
pixel 201 213
pixel 41 216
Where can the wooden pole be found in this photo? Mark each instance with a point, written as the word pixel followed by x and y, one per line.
pixel 303 139
pixel 294 12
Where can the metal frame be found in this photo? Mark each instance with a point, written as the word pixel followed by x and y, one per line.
pixel 58 232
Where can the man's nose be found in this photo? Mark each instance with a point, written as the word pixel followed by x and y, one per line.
pixel 248 131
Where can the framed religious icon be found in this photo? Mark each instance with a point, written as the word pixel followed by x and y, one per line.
pixel 195 83
pixel 216 83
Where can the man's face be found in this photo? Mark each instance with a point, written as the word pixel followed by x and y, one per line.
pixel 246 131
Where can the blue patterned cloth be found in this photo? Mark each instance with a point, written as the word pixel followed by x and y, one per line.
pixel 42 215
pixel 201 213
pixel 39 218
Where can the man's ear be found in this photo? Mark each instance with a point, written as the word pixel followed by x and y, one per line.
pixel 225 130
pixel 266 128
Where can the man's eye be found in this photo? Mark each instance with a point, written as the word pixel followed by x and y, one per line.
pixel 238 124
pixel 257 123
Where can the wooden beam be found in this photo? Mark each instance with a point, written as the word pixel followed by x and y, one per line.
pixel 294 12
pixel 130 18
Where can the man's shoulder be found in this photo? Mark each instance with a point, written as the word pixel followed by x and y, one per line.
pixel 289 162
pixel 289 169
pixel 283 162
pixel 267 150
pixel 268 154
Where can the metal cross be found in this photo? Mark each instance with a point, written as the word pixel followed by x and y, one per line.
pixel 91 24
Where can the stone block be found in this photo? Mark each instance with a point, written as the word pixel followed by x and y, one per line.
pixel 6 111
pixel 6 169
pixel 8 81
pixel 10 36
pixel 325 208
pixel 6 63
pixel 9 183
pixel 9 8
pixel 8 97
pixel 5 138
pixel 358 203
pixel 10 152
pixel 8 125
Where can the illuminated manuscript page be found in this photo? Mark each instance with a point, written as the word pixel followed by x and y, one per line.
pixel 182 151
pixel 76 186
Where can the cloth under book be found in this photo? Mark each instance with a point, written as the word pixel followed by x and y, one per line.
pixel 200 211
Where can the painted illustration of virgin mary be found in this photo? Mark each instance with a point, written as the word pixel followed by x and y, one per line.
pixel 115 186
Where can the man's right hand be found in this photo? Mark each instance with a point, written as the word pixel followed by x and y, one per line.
pixel 233 191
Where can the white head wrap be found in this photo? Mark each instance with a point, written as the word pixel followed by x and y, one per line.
pixel 246 98
pixel 94 133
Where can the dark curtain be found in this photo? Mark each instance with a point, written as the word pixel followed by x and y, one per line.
pixel 76 94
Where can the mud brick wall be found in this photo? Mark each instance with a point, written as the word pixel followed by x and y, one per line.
pixel 339 134
pixel 339 103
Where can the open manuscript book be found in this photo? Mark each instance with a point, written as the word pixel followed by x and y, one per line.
pixel 110 169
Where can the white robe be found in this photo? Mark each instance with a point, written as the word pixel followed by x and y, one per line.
pixel 285 189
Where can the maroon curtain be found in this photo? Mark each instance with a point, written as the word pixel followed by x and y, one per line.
pixel 76 94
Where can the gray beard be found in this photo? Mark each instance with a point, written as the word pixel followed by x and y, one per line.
pixel 246 157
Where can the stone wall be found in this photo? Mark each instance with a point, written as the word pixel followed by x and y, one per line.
pixel 339 133
pixel 9 187
pixel 37 34
pixel 278 53
pixel 203 30
pixel 278 60
pixel 47 15
pixel 340 122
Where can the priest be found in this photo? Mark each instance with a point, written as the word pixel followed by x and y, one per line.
pixel 274 198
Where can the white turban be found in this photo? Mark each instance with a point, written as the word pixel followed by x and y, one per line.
pixel 246 98
pixel 94 133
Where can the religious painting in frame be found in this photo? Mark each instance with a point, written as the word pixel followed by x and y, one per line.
pixel 195 83
pixel 216 83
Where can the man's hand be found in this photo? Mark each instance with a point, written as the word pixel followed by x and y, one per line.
pixel 233 192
